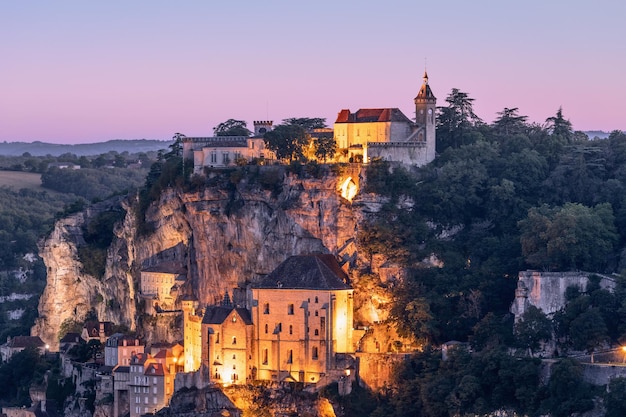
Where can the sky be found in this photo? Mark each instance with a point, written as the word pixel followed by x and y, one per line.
pixel 89 71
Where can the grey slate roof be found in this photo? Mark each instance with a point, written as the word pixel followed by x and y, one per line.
pixel 217 314
pixel 316 272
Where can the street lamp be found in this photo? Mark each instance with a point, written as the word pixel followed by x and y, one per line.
pixel 624 350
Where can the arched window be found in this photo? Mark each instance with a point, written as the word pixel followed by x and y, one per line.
pixel 266 328
pixel 317 332
pixel 234 340
pixel 290 356
pixel 290 329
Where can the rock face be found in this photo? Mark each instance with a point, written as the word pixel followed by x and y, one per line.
pixel 243 401
pixel 70 293
pixel 226 236
pixel 546 290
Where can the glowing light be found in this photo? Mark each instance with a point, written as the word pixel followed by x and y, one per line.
pixel 348 189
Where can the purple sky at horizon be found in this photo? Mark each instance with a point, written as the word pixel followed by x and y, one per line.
pixel 80 72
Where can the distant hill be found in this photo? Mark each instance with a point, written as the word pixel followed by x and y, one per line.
pixel 592 134
pixel 85 149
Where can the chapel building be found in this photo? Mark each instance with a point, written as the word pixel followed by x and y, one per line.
pixel 297 321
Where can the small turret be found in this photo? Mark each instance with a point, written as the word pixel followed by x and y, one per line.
pixel 261 127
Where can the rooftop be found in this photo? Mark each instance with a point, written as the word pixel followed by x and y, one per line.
pixel 319 272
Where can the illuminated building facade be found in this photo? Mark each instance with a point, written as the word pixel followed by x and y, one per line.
pixel 298 318
pixel 388 134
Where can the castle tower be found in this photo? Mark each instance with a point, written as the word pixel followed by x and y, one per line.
pixel 425 106
pixel 261 127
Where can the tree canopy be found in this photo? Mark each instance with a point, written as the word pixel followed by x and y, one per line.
pixel 231 127
pixel 288 141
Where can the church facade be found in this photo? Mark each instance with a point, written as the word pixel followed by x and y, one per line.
pixel 297 327
pixel 386 133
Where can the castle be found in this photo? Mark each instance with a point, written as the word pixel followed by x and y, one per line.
pixel 367 134
pixel 388 134
pixel 296 326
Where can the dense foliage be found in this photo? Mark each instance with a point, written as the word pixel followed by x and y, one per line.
pixel 499 199
pixel 91 183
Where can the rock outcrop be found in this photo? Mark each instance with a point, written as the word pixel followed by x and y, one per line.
pixel 226 236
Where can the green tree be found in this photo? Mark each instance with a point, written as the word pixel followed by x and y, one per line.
pixel 588 331
pixel 615 398
pixel 307 123
pixel 509 122
pixel 567 392
pixel 456 119
pixel 533 328
pixel 325 147
pixel 287 141
pixel 559 126
pixel 231 127
pixel 569 237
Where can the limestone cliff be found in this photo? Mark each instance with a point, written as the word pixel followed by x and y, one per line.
pixel 226 234
pixel 70 292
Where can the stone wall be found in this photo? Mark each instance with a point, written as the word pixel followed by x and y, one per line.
pixel 546 290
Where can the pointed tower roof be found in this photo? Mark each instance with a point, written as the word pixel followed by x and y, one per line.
pixel 425 92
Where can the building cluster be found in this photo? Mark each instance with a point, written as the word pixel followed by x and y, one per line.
pixel 296 326
pixel 367 134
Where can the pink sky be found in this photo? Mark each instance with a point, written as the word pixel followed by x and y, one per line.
pixel 79 72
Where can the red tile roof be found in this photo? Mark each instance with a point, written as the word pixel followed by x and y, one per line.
pixel 372 115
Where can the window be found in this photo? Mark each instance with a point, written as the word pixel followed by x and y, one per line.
pixel 290 309
pixel 265 357
pixel 213 157
pixel 316 313
pixel 234 356
pixel 290 356
pixel 234 340
pixel 154 400
pixel 290 329
pixel 217 337
pixel 279 327
pixel 314 353
pixel 266 308
pixel 317 332
pixel 316 300
pixel 266 328
pixel 225 158
pixel 323 324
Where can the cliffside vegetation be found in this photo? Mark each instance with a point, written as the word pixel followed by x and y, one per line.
pixel 499 198
pixel 34 192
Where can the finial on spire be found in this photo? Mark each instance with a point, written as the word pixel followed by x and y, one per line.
pixel 425 72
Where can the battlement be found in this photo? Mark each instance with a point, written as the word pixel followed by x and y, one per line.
pixel 263 122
